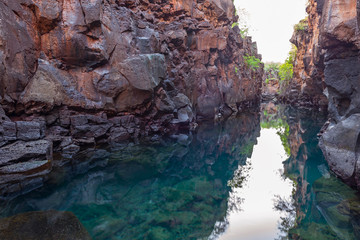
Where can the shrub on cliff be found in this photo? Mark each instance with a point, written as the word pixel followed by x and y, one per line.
pixel 252 62
pixel 286 69
pixel 302 26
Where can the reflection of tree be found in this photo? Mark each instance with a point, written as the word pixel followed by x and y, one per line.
pixel 219 229
pixel 235 201
pixel 240 176
pixel 274 119
pixel 288 210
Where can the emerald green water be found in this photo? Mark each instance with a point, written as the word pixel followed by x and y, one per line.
pixel 256 176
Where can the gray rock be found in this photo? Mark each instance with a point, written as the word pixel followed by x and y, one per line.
pixel 111 84
pixel 118 134
pixel 100 130
pixel 181 100
pixel 56 132
pixel 7 132
pixel 164 102
pixel 28 131
pixel 184 115
pixel 144 72
pixel 23 167
pixel 340 145
pixel 78 120
pixel 20 151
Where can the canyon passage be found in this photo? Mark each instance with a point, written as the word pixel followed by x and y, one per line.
pixel 157 119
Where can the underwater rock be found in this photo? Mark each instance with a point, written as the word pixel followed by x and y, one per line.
pixel 49 225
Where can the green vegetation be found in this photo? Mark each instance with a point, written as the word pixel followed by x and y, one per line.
pixel 286 71
pixel 272 66
pixel 234 24
pixel 244 32
pixel 272 71
pixel 236 69
pixel 252 62
pixel 302 26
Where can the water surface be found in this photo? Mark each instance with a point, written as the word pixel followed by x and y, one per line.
pixel 256 176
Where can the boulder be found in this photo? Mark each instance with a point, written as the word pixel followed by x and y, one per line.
pixel 48 225
pixel 44 88
pixel 145 71
pixel 340 144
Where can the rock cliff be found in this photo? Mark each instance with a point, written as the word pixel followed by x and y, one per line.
pixel 307 85
pixel 75 73
pixel 335 56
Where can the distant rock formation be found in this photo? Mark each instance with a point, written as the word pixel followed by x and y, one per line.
pixel 78 73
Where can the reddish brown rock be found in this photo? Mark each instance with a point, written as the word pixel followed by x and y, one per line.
pixel 307 85
pixel 103 55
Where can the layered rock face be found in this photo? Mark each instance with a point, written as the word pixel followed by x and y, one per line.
pixel 339 41
pixel 307 85
pixel 76 72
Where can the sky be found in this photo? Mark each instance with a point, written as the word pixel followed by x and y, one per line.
pixel 271 24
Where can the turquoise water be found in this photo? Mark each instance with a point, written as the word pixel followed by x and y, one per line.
pixel 256 176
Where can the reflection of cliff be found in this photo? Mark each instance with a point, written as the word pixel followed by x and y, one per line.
pixel 324 207
pixel 175 189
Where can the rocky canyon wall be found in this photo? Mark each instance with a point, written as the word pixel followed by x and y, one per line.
pixel 334 56
pixel 307 85
pixel 77 73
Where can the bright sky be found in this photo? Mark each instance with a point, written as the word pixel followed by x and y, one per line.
pixel 271 25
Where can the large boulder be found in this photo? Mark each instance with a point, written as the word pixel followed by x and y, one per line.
pixel 341 147
pixel 145 71
pixel 50 225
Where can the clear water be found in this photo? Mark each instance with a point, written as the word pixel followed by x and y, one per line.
pixel 256 176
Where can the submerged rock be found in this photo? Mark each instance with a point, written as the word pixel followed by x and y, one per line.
pixel 50 225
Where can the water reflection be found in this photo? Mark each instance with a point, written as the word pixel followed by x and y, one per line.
pixel 224 181
pixel 257 218
pixel 173 189
pixel 325 208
